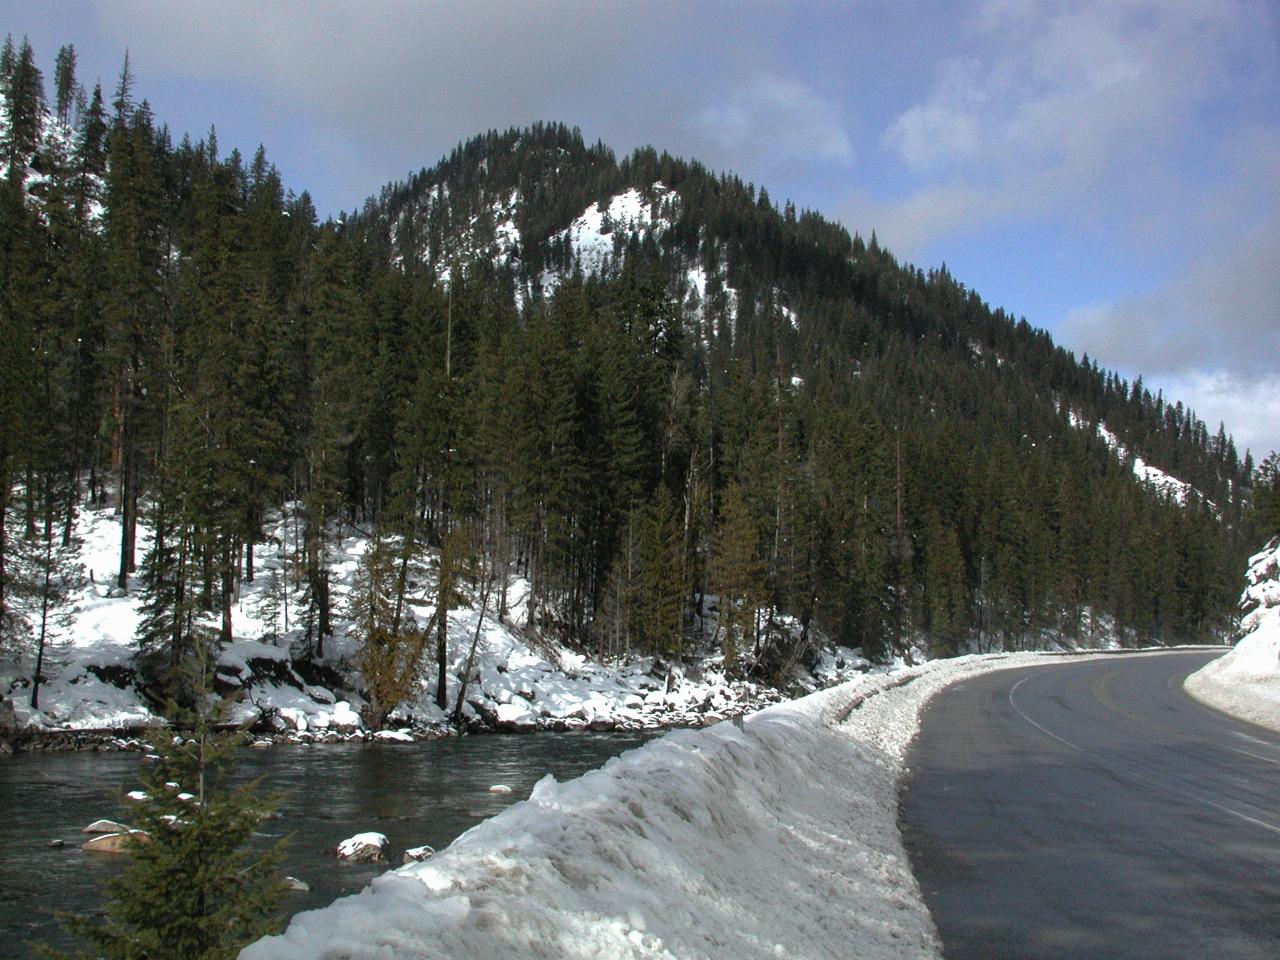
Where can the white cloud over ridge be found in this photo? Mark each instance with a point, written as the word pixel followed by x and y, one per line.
pixel 1212 338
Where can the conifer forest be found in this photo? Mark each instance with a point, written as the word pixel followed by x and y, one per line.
pixel 727 398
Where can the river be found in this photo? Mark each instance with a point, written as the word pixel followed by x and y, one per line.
pixel 424 793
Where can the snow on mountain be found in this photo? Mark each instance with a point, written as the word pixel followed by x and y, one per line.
pixel 599 235
pixel 491 235
pixel 56 143
pixel 1246 681
pixel 1163 483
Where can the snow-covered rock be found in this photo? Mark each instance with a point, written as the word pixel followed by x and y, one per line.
pixel 418 854
pixel 363 848
pixel 344 717
pixel 1246 681
pixel 105 826
pixel 116 842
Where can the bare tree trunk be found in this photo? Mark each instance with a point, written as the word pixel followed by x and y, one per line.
pixel 486 585
pixel 228 588
pixel 42 641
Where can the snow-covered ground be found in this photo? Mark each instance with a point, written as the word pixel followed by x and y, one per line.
pixel 91 684
pixel 1246 681
pixel 773 838
pixel 1164 483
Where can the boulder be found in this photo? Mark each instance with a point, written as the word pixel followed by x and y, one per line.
pixel 417 854
pixel 363 848
pixel 105 826
pixel 116 842
pixel 345 718
pixel 393 736
pixel 516 718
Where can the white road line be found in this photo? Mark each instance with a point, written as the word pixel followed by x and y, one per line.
pixel 1043 730
pixel 1133 774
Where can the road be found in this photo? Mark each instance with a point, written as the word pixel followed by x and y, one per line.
pixel 1093 809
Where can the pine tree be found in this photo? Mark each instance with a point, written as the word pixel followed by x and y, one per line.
pixel 737 576
pixel 196 888
pixel 390 654
pixel 1266 495
pixel 660 591
pixel 64 78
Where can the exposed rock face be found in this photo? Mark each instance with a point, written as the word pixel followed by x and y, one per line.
pixel 363 848
pixel 116 842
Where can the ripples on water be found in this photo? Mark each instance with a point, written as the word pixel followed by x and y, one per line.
pixel 426 793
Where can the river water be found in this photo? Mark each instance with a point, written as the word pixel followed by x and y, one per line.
pixel 425 793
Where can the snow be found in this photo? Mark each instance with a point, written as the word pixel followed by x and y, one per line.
pixel 1246 681
pixel 596 235
pixel 393 736
pixel 91 683
pixel 353 845
pixel 776 837
pixel 1163 483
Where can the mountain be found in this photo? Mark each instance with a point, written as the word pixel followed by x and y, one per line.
pixel 990 409
pixel 630 405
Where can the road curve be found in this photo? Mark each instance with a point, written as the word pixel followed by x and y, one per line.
pixel 1093 809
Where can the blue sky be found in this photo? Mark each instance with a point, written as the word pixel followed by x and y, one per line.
pixel 1109 170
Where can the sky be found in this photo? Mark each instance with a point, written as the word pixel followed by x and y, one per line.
pixel 1108 169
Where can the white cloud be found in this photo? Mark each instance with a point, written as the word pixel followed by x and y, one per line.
pixel 776 114
pixel 1211 339
pixel 1225 314
pixel 1250 407
pixel 1077 110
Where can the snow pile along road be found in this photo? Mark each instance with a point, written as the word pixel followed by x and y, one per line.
pixel 774 838
pixel 1246 681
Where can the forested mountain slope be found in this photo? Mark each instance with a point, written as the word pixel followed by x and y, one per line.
pixel 642 389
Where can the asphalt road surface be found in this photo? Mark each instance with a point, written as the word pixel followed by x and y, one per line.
pixel 1091 809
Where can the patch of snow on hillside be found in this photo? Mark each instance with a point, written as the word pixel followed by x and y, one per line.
pixel 1246 681
pixel 491 235
pixel 1164 483
pixel 595 235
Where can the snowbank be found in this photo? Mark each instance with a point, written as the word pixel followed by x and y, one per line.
pixel 1246 681
pixel 775 837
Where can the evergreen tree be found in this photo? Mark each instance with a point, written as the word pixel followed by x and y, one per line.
pixel 196 887
pixel 1266 493
pixel 390 654
pixel 660 591
pixel 737 576
pixel 64 77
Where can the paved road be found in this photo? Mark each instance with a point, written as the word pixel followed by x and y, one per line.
pixel 1092 809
